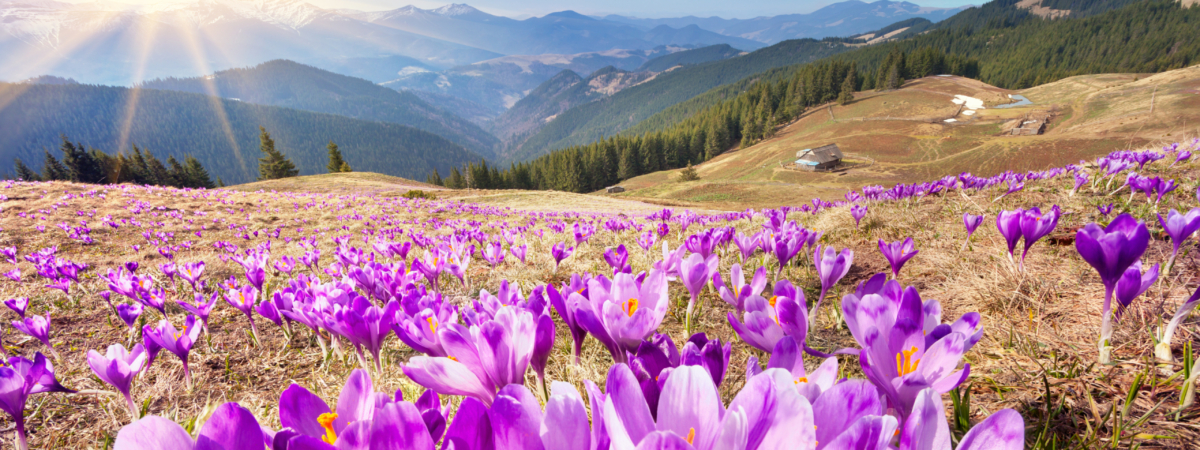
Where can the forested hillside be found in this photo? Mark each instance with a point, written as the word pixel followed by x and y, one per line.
pixel 689 57
pixel 294 85
pixel 222 134
pixel 1001 44
pixel 609 116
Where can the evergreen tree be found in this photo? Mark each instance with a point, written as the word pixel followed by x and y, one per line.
pixel 156 172
pixel 220 182
pixel 139 170
pixel 629 166
pixel 456 180
pixel 336 163
pixel 53 170
pixel 176 174
pixel 196 174
pixel 893 78
pixel 273 165
pixel 24 172
pixel 435 179
pixel 688 174
pixel 847 92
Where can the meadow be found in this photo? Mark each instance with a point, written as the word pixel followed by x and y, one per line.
pixel 962 310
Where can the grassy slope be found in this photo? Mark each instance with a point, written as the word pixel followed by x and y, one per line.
pixel 1095 114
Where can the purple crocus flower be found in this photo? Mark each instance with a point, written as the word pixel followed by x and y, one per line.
pixel 618 259
pixel 737 291
pixel 647 240
pixel 1009 224
pixel 1180 227
pixel 231 427
pixel 623 312
pixel 696 271
pixel 787 355
pixel 543 345
pixel 118 367
pixel 14 275
pixel 971 222
pixel 19 379
pixel 926 428
pixel 518 251
pixel 898 253
pixel 1111 251
pixel 18 305
pixel 1035 225
pixel 1105 210
pixel 200 308
pixel 191 272
pixel 746 245
pixel 858 212
pixel 785 248
pixel 566 311
pixel 559 252
pixel 243 299
pixel 1133 284
pixel 482 359
pixel 766 321
pixel 831 267
pixel 129 313
pixel 494 253
pixel 179 342
pixel 37 327
pixel 306 414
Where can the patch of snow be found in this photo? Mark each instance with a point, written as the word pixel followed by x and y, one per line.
pixel 411 70
pixel 970 102
pixel 969 112
pixel 454 9
pixel 949 120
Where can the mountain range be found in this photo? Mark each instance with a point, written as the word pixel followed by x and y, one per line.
pixel 839 19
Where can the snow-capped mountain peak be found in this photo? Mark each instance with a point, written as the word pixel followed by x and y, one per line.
pixel 455 9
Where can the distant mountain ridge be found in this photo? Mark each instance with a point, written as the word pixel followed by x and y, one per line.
pixel 563 32
pixel 293 85
pixel 845 18
pixel 221 133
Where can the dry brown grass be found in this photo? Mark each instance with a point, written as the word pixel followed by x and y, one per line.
pixel 1038 350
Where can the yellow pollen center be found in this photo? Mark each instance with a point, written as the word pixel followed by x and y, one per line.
pixel 801 380
pixel 691 435
pixel 905 363
pixel 453 358
pixel 326 421
pixel 631 306
pixel 432 324
pixel 772 300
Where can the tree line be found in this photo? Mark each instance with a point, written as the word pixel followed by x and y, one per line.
pixel 82 164
pixel 740 121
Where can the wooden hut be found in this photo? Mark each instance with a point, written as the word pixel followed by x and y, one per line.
pixel 819 159
pixel 614 189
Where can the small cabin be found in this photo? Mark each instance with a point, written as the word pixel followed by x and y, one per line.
pixel 819 159
pixel 614 189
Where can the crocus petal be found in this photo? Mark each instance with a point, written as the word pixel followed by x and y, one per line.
pixel 926 428
pixel 516 417
pixel 299 409
pixel 398 426
pixel 470 429
pixel 566 424
pixel 231 427
pixel 690 403
pixel 842 405
pixel 153 433
pixel 447 377
pixel 1004 430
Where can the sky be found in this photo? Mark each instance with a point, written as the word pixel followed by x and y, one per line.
pixel 744 9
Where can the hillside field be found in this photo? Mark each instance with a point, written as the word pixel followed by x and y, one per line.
pixel 901 137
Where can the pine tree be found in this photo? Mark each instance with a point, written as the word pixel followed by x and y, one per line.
pixel 139 170
pixel 456 180
pixel 196 174
pixel 847 92
pixel 435 179
pixel 336 163
pixel 53 170
pixel 688 174
pixel 629 166
pixel 273 165
pixel 893 78
pixel 176 174
pixel 220 182
pixel 157 172
pixel 24 172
